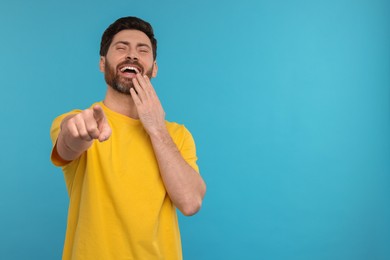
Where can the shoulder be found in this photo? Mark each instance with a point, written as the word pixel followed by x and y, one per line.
pixel 176 128
pixel 179 133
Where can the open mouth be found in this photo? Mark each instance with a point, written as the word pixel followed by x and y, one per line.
pixel 130 70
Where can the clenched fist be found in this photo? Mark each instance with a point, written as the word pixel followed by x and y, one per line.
pixel 78 132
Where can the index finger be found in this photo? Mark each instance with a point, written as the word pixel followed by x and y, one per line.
pixel 146 84
pixel 98 113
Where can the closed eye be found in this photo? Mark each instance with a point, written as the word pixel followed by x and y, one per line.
pixel 121 46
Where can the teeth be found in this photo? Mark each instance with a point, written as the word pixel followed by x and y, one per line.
pixel 129 68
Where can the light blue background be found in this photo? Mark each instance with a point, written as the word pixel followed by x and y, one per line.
pixel 288 101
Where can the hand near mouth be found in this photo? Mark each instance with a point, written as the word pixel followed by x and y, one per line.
pixel 150 110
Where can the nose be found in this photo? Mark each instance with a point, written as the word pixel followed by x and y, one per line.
pixel 132 55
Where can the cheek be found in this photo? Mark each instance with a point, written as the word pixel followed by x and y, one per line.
pixel 112 59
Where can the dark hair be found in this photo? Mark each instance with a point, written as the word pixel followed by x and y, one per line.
pixel 127 23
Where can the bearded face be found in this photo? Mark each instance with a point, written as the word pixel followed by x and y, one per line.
pixel 120 78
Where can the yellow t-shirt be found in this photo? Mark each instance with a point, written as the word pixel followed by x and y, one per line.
pixel 119 208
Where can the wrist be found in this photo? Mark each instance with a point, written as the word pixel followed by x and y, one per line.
pixel 161 135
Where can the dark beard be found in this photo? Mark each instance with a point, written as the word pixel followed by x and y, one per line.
pixel 118 83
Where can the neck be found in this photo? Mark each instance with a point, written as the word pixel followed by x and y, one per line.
pixel 120 103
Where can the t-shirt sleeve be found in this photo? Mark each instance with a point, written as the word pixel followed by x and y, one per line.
pixel 188 149
pixel 54 132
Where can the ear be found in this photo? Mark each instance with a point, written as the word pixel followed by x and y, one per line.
pixel 102 63
pixel 155 69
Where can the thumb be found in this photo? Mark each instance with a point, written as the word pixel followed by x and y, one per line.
pixel 105 132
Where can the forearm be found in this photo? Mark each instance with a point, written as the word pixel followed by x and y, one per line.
pixel 70 152
pixel 184 185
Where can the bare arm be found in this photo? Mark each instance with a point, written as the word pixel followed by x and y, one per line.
pixel 78 132
pixel 184 185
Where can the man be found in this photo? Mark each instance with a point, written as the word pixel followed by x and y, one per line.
pixel 126 168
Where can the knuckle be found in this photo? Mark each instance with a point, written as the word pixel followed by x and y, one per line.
pixel 91 128
pixel 85 136
pixel 74 134
pixel 86 113
pixel 77 119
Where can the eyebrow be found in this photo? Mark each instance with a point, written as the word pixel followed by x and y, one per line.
pixel 128 43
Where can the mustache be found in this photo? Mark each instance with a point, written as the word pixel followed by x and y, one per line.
pixel 131 63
